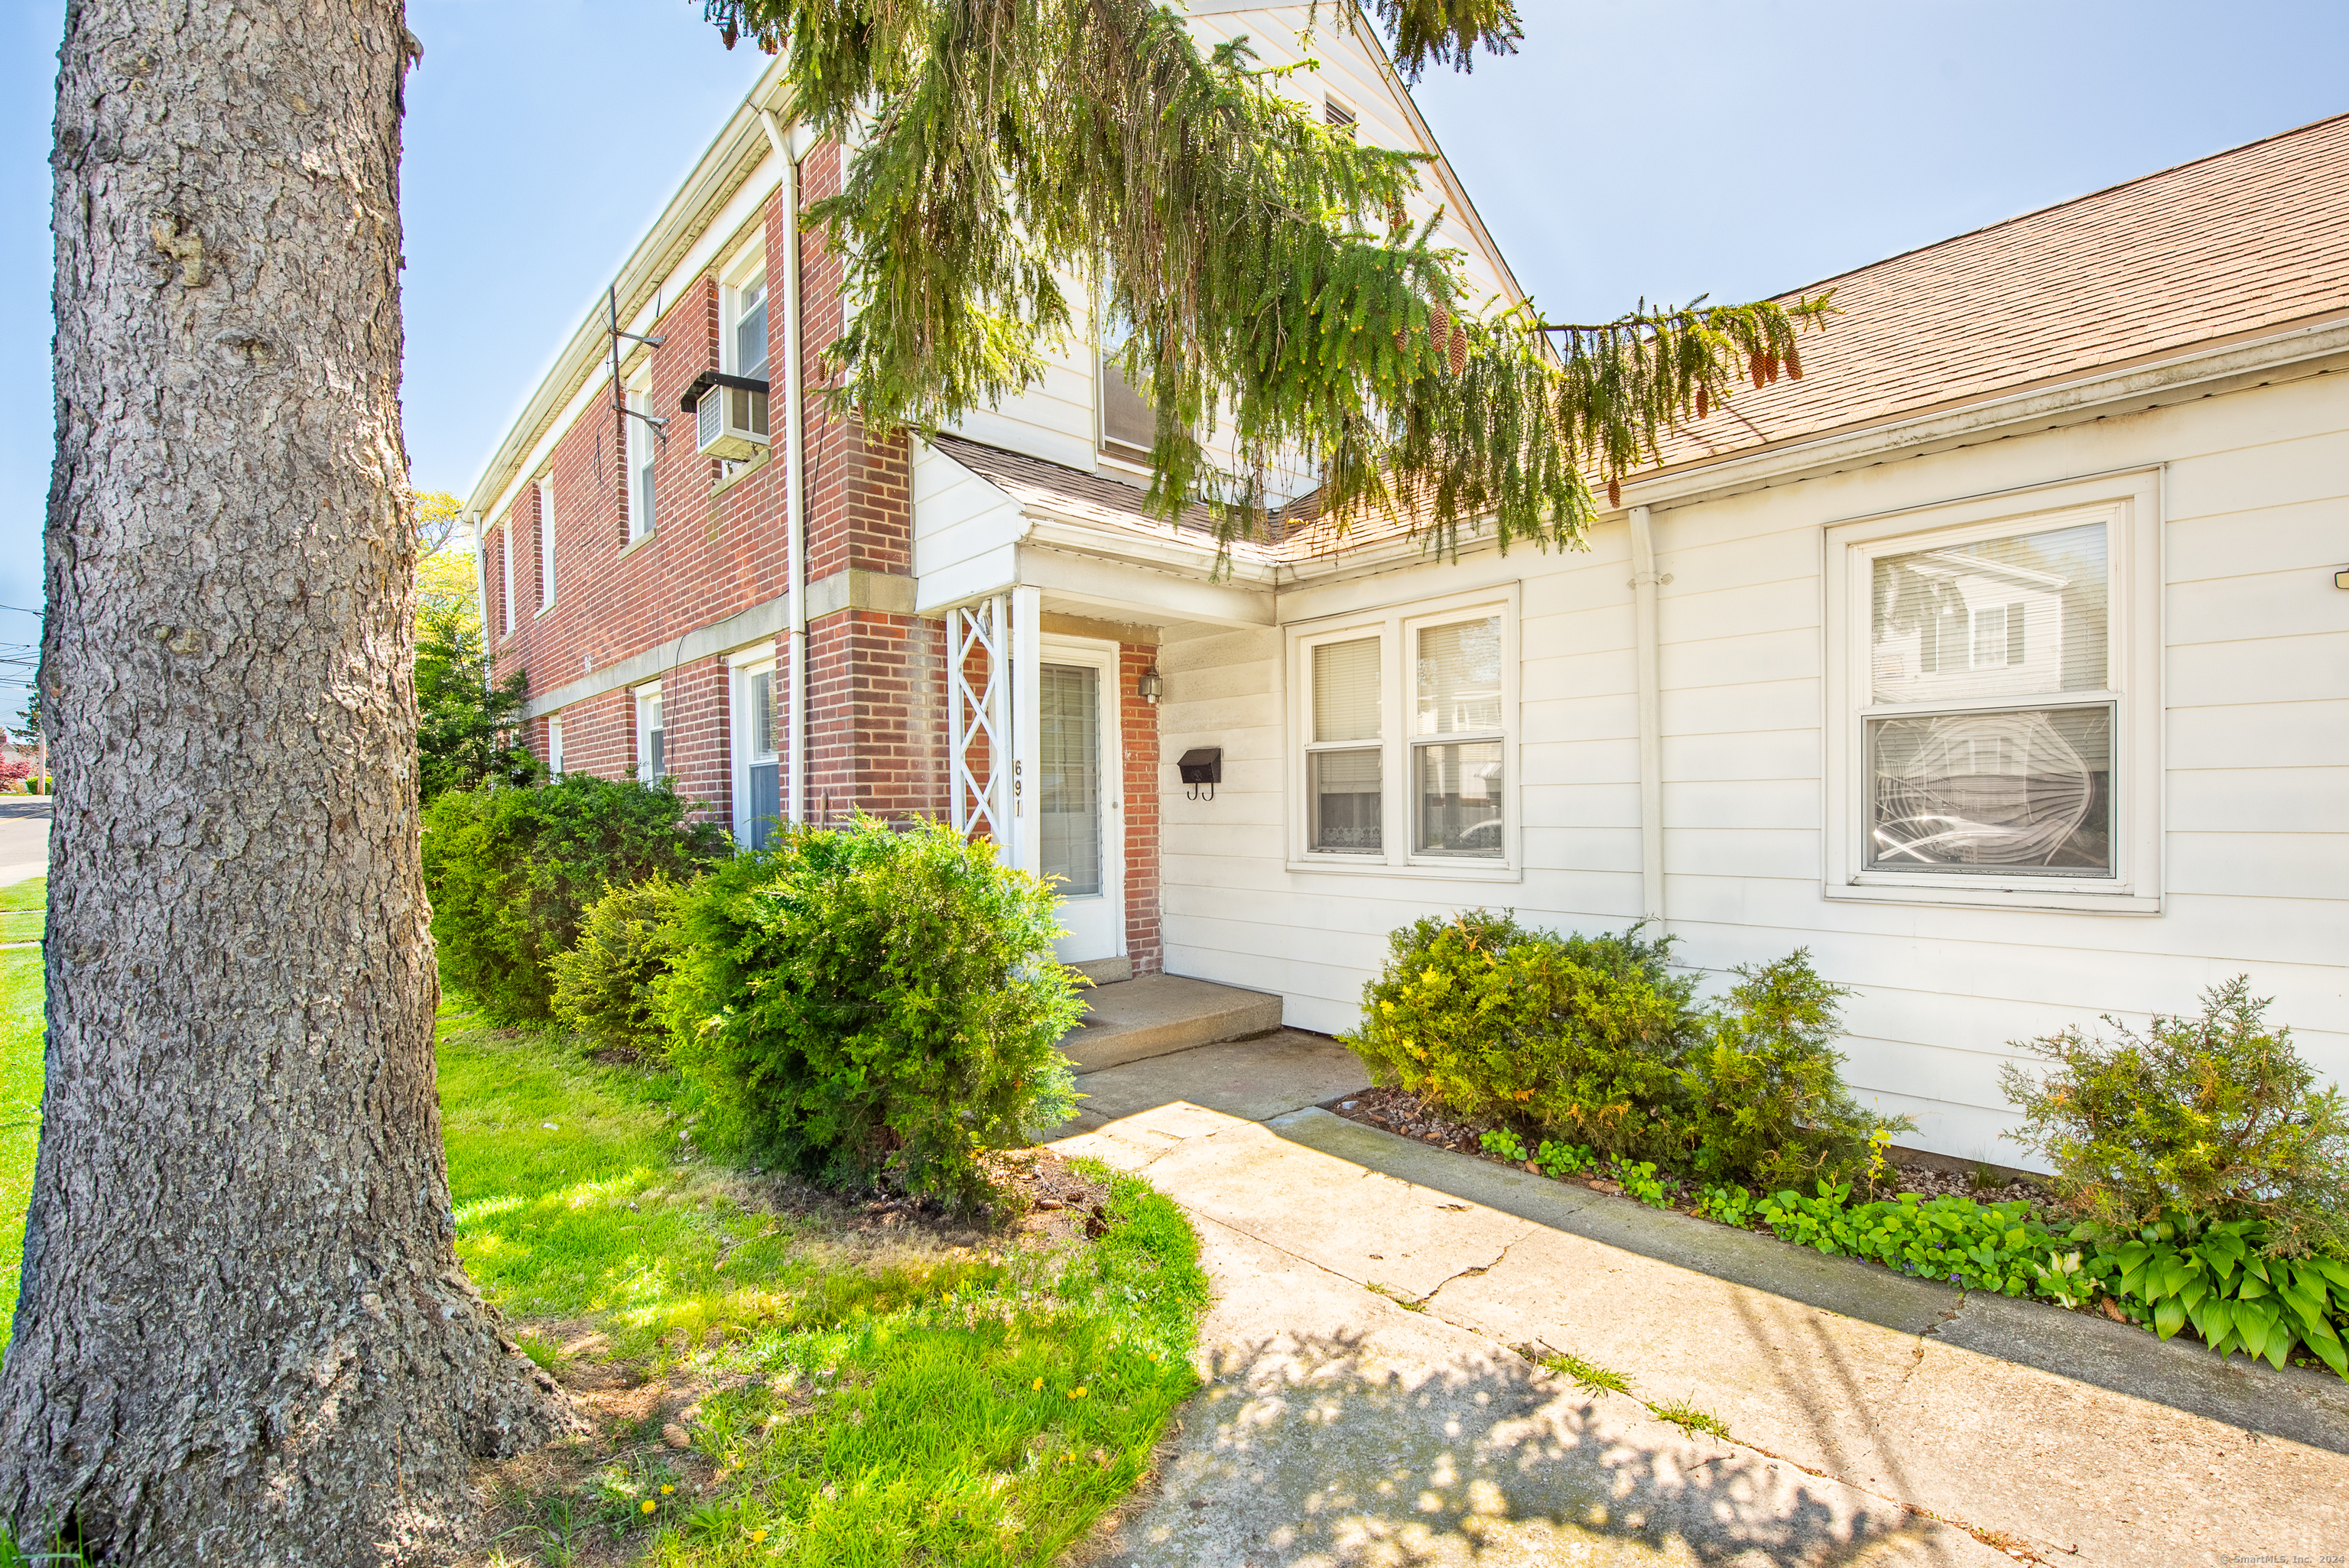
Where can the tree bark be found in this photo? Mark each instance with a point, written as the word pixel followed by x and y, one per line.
pixel 243 1334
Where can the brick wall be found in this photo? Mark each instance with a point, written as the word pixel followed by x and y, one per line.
pixel 876 681
pixel 1138 726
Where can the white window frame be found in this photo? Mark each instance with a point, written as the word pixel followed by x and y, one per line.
pixel 749 266
pixel 643 696
pixel 2130 505
pixel 554 744
pixel 546 544
pixel 1396 627
pixel 747 664
pixel 643 449
pixel 505 576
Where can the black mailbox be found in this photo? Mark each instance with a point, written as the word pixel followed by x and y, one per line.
pixel 1202 765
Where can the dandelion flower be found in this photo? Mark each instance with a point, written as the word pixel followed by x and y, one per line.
pixel 649 1505
pixel 1038 1383
pixel 757 1536
pixel 1078 1392
pixel 666 1489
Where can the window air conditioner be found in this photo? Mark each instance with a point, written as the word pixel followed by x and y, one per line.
pixel 730 415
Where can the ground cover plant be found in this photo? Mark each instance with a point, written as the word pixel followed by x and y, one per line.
pixel 512 870
pixel 868 1003
pixel 775 1374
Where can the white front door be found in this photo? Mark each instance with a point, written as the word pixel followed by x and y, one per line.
pixel 1081 841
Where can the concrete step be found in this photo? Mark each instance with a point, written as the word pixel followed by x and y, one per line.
pixel 1160 1014
pixel 1105 970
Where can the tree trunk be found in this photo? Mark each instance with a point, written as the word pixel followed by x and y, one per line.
pixel 243 1334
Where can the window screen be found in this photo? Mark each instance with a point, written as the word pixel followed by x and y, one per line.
pixel 750 330
pixel 1460 677
pixel 1069 797
pixel 1346 803
pixel 1975 781
pixel 763 714
pixel 655 760
pixel 2000 617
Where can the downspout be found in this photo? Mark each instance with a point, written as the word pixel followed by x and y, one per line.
pixel 795 477
pixel 1652 720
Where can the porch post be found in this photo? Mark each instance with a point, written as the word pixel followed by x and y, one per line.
pixel 1026 651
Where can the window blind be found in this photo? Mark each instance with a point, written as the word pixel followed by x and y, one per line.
pixel 1346 690
pixel 1460 677
pixel 2000 617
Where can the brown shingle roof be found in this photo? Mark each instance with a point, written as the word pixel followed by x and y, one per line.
pixel 2240 244
pixel 2236 245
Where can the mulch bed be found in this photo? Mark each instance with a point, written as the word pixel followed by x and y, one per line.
pixel 1399 1111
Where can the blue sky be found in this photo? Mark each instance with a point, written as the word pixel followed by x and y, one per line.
pixel 1659 149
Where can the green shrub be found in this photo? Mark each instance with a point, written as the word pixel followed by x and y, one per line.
pixel 1763 1096
pixel 1595 1040
pixel 1495 1021
pixel 865 1005
pixel 2215 1115
pixel 512 871
pixel 605 983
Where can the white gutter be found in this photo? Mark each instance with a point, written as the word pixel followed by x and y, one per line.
pixel 795 477
pixel 1651 719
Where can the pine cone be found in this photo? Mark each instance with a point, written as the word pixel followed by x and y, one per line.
pixel 1459 359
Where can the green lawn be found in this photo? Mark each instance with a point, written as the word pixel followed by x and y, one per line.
pixel 880 1403
pixel 21 907
pixel 871 1397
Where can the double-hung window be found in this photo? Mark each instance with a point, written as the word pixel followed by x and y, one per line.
pixel 547 543
pixel 642 445
pixel 1406 739
pixel 747 334
pixel 652 756
pixel 1993 737
pixel 1129 425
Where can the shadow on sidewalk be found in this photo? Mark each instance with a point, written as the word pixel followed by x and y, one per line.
pixel 1318 1449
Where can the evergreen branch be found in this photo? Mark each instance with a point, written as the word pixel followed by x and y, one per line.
pixel 1031 171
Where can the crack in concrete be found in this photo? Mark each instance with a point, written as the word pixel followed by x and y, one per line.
pixel 1498 1259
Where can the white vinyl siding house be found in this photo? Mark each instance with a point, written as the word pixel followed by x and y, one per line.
pixel 2226 698
pixel 1999 662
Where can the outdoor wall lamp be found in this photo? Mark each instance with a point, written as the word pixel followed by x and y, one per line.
pixel 1148 687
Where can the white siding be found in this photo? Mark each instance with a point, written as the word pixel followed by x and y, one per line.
pixel 958 520
pixel 2255 788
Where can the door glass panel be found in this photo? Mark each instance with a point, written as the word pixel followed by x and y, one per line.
pixel 1992 791
pixel 1068 794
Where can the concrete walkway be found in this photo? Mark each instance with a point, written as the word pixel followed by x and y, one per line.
pixel 1369 1404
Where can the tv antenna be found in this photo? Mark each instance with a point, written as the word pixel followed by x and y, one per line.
pixel 619 394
